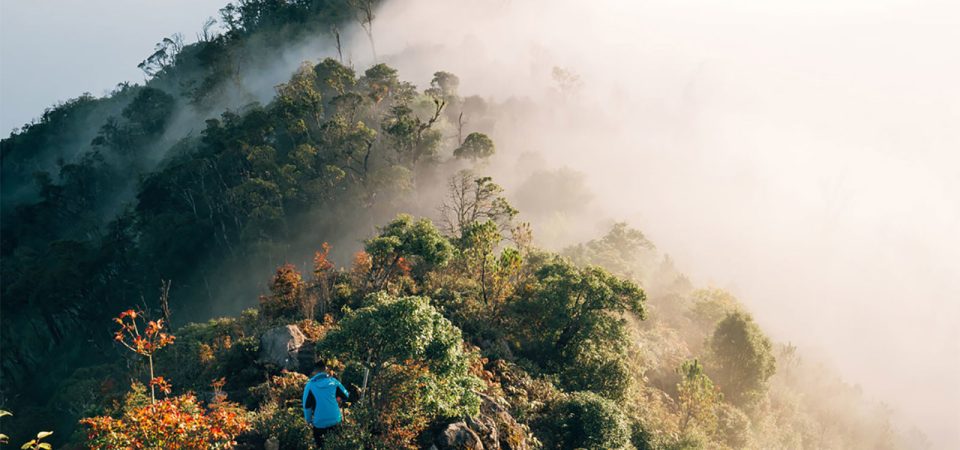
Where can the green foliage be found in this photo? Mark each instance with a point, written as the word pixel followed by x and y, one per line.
pixel 741 359
pixel 418 370
pixel 403 331
pixel 403 246
pixel 733 426
pixel 475 146
pixel 285 424
pixel 220 348
pixel 698 399
pixel 572 319
pixel 621 251
pixel 584 420
pixel 712 305
pixel 335 151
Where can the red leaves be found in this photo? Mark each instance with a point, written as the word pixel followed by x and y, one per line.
pixel 162 385
pixel 176 423
pixel 152 339
pixel 321 261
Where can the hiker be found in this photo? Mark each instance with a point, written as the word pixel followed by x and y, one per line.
pixel 321 402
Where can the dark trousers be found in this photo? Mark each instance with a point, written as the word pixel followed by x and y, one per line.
pixel 320 434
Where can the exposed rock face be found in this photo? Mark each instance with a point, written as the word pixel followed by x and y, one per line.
pixel 458 436
pixel 493 429
pixel 280 347
pixel 507 432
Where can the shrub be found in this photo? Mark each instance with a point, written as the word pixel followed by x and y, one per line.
pixel 284 390
pixel 284 423
pixel 173 423
pixel 583 420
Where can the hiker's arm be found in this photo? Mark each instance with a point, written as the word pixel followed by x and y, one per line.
pixel 309 404
pixel 342 393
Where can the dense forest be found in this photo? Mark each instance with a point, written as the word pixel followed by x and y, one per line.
pixel 362 208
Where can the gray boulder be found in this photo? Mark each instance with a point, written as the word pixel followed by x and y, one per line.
pixel 458 436
pixel 280 347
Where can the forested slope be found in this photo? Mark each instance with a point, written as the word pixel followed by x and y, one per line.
pixel 175 200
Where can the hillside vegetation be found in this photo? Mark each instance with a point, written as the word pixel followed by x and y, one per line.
pixel 448 323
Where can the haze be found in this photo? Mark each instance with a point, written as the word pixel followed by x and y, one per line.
pixel 802 155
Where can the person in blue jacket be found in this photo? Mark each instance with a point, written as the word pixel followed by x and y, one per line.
pixel 321 402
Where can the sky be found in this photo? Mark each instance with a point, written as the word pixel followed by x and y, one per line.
pixel 803 155
pixel 54 50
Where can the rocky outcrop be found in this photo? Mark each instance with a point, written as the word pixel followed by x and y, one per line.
pixel 458 436
pixel 493 429
pixel 281 346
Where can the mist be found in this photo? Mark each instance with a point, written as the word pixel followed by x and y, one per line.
pixel 800 155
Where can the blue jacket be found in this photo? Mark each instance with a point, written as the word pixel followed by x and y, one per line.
pixel 320 407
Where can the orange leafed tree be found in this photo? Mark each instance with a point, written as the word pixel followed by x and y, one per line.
pixel 287 294
pixel 323 274
pixel 147 343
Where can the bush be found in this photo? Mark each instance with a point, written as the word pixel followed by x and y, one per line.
pixel 285 424
pixel 284 390
pixel 583 420
pixel 173 423
pixel 733 426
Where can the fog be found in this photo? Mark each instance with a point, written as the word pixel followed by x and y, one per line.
pixel 803 156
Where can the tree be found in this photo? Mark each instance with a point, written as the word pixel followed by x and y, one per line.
pixel 164 55
pixel 411 137
pixel 443 85
pixel 363 10
pixel 493 273
pixel 288 296
pixel 400 340
pixel 404 246
pixel 471 199
pixel 741 359
pixel 476 146
pixel 698 399
pixel 334 77
pixel 711 305
pixel 584 420
pixel 570 321
pixel 620 251
pixel 145 344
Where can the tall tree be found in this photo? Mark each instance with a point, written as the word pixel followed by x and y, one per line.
pixel 741 359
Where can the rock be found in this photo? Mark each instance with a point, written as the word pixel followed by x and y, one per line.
pixel 458 436
pixel 272 444
pixel 493 429
pixel 280 347
pixel 486 428
pixel 508 433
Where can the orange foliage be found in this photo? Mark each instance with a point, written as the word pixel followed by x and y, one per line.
pixel 161 385
pixel 362 265
pixel 287 282
pixel 400 389
pixel 287 293
pixel 321 261
pixel 313 330
pixel 175 423
pixel 146 344
pixel 404 266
